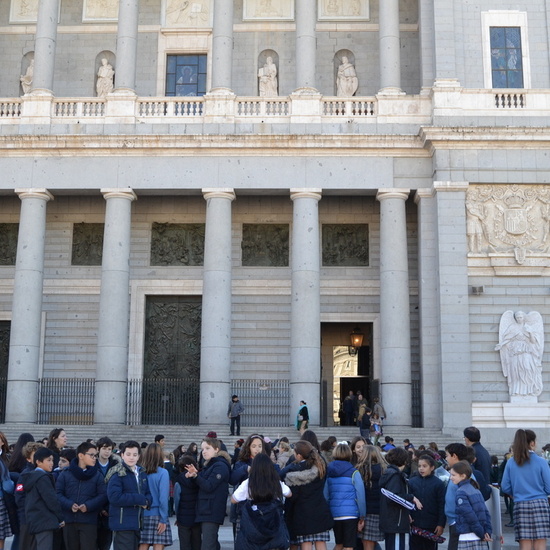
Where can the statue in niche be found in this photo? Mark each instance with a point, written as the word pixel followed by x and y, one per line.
pixel 105 78
pixel 476 215
pixel 268 79
pixel 346 81
pixel 521 345
pixel 26 79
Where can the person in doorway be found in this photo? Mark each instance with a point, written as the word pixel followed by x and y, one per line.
pixel 234 411
pixel 379 409
pixel 349 408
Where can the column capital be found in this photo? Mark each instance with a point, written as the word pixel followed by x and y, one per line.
pixel 424 193
pixel 392 194
pixel 442 186
pixel 303 193
pixel 34 193
pixel 222 193
pixel 119 194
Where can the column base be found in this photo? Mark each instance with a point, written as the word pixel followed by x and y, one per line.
pixel 391 91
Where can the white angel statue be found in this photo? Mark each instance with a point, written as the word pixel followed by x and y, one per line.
pixel 521 345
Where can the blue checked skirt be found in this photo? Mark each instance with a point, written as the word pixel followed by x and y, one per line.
pixel 149 533
pixel 532 519
pixel 5 529
pixel 323 536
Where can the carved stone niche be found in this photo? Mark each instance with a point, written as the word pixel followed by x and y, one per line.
pixel 8 243
pixel 265 245
pixel 177 244
pixel 345 245
pixel 87 243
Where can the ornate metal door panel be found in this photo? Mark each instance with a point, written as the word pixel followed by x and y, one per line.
pixel 4 359
pixel 170 393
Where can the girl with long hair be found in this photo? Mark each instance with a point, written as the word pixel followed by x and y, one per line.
pixel 473 522
pixel 371 467
pixel 17 461
pixel 156 530
pixel 5 527
pixel 358 444
pixel 57 441
pixel 262 524
pixel 307 513
pixel 527 480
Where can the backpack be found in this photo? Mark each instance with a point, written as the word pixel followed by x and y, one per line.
pixel 262 527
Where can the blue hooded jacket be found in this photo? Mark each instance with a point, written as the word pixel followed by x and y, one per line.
pixel 345 490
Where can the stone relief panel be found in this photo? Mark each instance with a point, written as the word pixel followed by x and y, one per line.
pixel 87 243
pixel 265 245
pixel 174 244
pixel 347 10
pixel 281 10
pixel 188 13
pixel 8 243
pixel 508 219
pixel 23 11
pixel 345 245
pixel 100 10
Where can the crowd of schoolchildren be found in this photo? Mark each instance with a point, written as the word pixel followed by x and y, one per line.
pixel 284 495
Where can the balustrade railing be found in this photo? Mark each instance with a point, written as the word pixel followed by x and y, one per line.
pixel 77 108
pixel 510 100
pixel 10 109
pixel 349 107
pixel 254 106
pixel 170 107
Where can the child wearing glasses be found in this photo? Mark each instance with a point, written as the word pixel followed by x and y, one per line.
pixel 82 494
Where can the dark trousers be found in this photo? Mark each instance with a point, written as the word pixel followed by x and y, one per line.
pixel 420 543
pixel 453 538
pixel 236 421
pixel 209 536
pixel 190 537
pixel 126 540
pixel 44 540
pixel 104 537
pixel 80 536
pixel 396 541
pixel 26 540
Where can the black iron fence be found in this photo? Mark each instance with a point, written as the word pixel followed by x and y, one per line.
pixel 266 402
pixel 66 401
pixel 163 401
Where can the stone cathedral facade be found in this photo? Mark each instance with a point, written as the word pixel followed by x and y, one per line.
pixel 205 197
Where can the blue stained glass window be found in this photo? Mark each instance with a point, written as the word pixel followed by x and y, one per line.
pixel 506 57
pixel 186 75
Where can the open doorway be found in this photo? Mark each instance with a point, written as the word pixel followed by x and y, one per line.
pixel 343 371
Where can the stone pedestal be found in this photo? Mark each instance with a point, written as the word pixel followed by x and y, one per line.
pixel 511 415
pixel 26 321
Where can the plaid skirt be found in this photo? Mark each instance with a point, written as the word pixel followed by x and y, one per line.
pixel 5 529
pixel 532 519
pixel 371 530
pixel 321 537
pixel 149 533
pixel 473 545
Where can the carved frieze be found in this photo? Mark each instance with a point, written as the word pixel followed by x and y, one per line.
pixel 345 245
pixel 265 10
pixel 23 11
pixel 265 245
pixel 188 13
pixel 100 10
pixel 87 243
pixel 8 243
pixel 508 219
pixel 348 10
pixel 177 244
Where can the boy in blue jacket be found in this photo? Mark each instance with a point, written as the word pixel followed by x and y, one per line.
pixel 128 493
pixel 82 494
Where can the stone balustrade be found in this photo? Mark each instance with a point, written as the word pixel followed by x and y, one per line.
pixel 448 101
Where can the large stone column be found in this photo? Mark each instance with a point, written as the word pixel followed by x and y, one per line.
pixel 306 43
pixel 114 310
pixel 454 304
pixel 390 54
pixel 395 334
pixel 126 48
pixel 44 47
pixel 305 316
pixel 26 319
pixel 216 308
pixel 222 45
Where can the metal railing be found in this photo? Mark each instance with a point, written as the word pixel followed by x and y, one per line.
pixel 66 401
pixel 266 402
pixel 163 401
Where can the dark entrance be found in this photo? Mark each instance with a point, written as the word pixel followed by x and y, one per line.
pixel 171 370
pixel 5 327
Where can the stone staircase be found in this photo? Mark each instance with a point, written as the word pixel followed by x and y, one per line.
pixel 176 435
